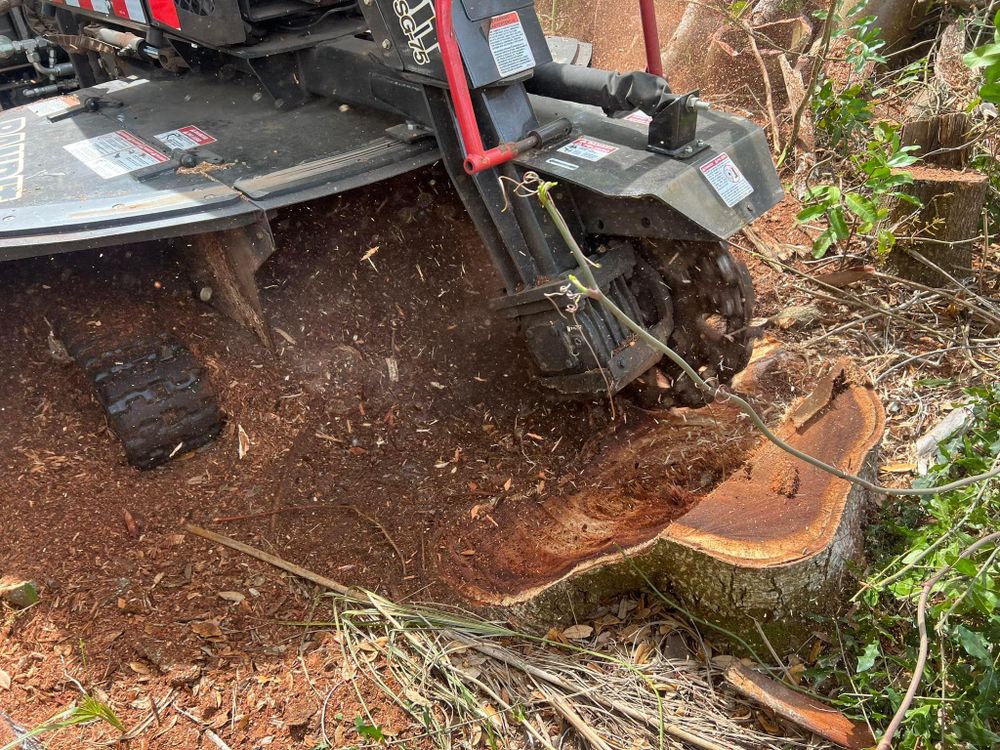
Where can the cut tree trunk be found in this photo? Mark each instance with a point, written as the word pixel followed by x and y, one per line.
pixel 686 501
pixel 943 232
pixel 943 139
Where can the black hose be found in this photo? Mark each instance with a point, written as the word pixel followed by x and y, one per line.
pixel 615 93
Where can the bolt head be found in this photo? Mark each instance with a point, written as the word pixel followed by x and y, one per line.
pixel 386 45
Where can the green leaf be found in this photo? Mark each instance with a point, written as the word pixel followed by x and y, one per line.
pixel 822 243
pixel 368 731
pixel 868 657
pixel 990 93
pixel 974 643
pixel 839 224
pixel 861 207
pixel 810 213
pixel 982 57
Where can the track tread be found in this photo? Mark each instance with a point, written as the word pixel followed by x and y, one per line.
pixel 154 392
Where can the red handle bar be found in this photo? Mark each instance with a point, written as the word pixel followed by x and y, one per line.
pixel 478 158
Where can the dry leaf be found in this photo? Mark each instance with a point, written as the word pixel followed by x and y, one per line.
pixel 232 596
pixel 244 440
pixel 4 680
pixel 578 632
pixel 138 667
pixel 899 468
pixel 507 484
pixel 207 629
pixel 414 697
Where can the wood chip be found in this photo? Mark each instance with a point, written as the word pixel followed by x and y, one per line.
pixel 285 335
pixel 243 441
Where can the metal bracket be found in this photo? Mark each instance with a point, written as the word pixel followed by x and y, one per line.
pixel 90 104
pixel 673 130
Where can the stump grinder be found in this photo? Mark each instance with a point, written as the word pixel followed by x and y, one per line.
pixel 198 119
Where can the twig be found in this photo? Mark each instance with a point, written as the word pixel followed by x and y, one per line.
pixel 813 80
pixel 582 727
pixel 215 739
pixel 918 671
pixel 768 96
pixel 274 560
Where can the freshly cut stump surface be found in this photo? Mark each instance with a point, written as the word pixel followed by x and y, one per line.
pixel 741 530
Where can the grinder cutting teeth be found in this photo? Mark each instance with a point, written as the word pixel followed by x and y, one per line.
pixel 713 299
pixel 197 120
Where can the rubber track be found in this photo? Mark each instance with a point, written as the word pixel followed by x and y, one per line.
pixel 154 392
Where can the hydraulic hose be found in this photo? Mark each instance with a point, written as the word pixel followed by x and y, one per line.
pixel 615 93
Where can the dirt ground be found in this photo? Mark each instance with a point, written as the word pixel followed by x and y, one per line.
pixel 395 415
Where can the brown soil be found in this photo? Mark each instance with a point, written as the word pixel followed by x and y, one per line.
pixel 368 475
pixel 612 26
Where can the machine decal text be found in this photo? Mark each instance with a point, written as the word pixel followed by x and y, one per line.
pixel 417 23
pixel 115 154
pixel 509 45
pixel 12 137
pixel 590 149
pixel 727 179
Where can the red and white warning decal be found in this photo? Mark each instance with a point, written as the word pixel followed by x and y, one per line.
pixel 130 9
pixel 190 136
pixel 590 149
pixel 115 154
pixel 726 178
pixel 509 45
pixel 54 106
pixel 640 117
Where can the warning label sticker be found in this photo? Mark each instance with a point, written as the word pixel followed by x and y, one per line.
pixel 588 148
pixel 115 154
pixel 728 181
pixel 189 136
pixel 640 117
pixel 509 45
pixel 53 106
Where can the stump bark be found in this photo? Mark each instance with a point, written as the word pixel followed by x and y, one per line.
pixel 739 533
pixel 942 139
pixel 942 234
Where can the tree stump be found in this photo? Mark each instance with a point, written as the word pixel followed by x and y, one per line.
pixel 943 232
pixel 942 139
pixel 739 533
